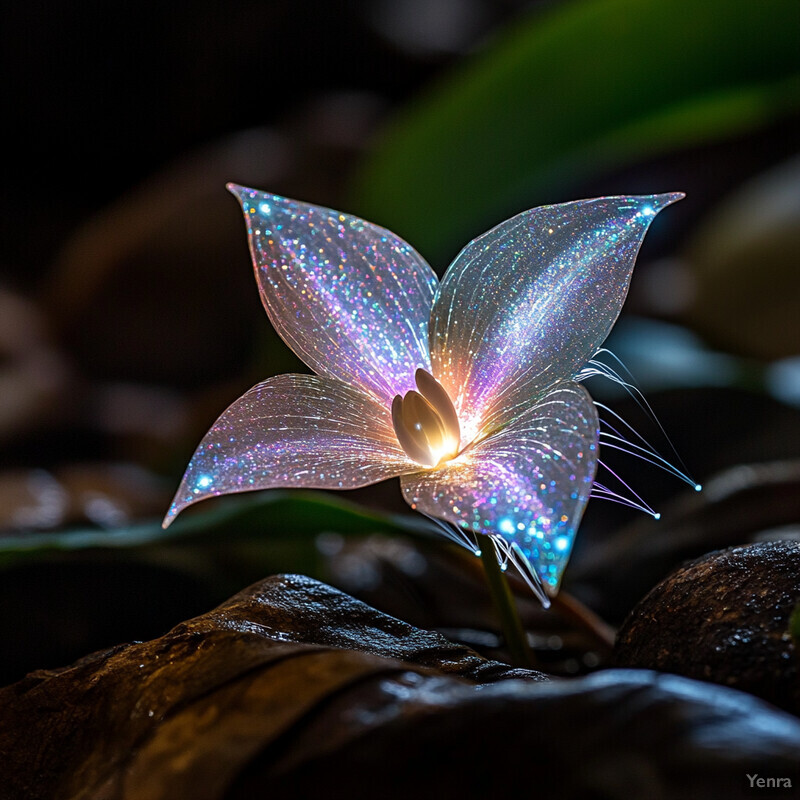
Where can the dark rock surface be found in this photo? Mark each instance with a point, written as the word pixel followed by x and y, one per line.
pixel 294 689
pixel 724 618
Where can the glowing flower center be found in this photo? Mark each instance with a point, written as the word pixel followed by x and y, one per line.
pixel 426 422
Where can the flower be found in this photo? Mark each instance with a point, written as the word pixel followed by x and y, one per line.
pixel 466 389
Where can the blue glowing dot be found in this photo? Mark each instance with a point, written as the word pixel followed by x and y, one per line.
pixel 204 481
pixel 648 211
pixel 698 487
pixel 656 515
pixel 265 208
pixel 506 526
pixel 562 543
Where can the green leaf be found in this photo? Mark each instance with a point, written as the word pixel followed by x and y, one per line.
pixel 266 517
pixel 567 93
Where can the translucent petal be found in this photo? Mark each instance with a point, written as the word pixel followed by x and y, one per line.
pixel 294 430
pixel 527 484
pixel 528 303
pixel 351 299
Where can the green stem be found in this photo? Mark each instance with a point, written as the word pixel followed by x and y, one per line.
pixel 510 623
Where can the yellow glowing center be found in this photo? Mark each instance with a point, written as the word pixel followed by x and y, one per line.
pixel 426 422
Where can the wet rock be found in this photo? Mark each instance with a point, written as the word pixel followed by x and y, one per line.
pixel 617 734
pixel 724 618
pixel 294 689
pixel 230 682
pixel 306 611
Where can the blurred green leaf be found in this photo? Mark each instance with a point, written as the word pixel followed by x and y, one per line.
pixel 267 518
pixel 582 87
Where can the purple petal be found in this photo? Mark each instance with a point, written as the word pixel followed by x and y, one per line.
pixel 294 430
pixel 528 303
pixel 527 484
pixel 351 299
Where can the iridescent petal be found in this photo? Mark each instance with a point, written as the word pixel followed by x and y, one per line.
pixel 528 303
pixel 294 430
pixel 351 299
pixel 527 483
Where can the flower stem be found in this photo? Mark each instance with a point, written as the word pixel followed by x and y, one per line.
pixel 510 623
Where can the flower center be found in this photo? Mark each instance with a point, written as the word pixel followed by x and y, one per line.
pixel 426 422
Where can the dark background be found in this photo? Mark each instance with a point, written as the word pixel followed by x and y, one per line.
pixel 99 96
pixel 128 314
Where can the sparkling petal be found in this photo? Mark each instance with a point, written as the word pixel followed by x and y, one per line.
pixel 294 431
pixel 527 484
pixel 528 303
pixel 351 299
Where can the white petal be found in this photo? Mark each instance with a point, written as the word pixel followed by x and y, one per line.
pixel 351 299
pixel 528 303
pixel 527 484
pixel 294 430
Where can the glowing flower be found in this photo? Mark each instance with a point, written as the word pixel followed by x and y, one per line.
pixel 466 389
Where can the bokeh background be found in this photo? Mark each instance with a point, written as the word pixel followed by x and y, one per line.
pixel 129 317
